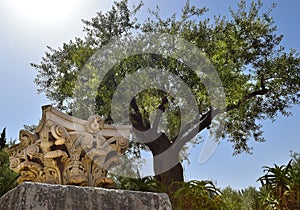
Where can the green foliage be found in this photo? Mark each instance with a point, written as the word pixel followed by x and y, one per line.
pixel 296 160
pixel 253 67
pixel 260 78
pixel 280 190
pixel 148 184
pixel 57 73
pixel 7 176
pixel 281 187
pixel 246 199
pixel 189 195
pixel 250 199
pixel 197 195
pixel 233 198
pixel 30 128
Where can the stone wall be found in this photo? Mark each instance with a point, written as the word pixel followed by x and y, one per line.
pixel 37 196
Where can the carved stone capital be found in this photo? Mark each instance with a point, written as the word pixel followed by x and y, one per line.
pixel 68 150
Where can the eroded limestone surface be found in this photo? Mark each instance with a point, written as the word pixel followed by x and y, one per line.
pixel 37 196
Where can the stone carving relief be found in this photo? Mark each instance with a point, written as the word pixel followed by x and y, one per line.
pixel 67 150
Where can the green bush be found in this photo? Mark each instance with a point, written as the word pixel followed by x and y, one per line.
pixel 189 195
pixel 7 177
pixel 281 187
pixel 246 199
pixel 197 195
pixel 148 184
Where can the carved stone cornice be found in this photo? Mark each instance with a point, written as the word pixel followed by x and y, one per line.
pixel 69 150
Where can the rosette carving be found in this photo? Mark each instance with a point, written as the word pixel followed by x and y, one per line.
pixel 14 164
pixel 32 150
pixel 122 144
pixel 85 141
pixel 94 124
pixel 26 138
pixel 60 134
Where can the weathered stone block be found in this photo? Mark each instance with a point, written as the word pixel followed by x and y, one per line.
pixel 37 196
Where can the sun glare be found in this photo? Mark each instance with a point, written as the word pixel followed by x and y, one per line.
pixel 44 10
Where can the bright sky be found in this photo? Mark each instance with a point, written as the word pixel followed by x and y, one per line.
pixel 28 26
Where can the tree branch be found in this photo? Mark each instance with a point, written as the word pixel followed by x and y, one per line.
pixel 200 123
pixel 195 127
pixel 263 91
pixel 136 117
pixel 191 129
pixel 159 112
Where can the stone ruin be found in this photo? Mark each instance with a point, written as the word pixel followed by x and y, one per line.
pixel 65 151
pixel 69 151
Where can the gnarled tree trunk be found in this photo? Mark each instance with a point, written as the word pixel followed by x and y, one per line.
pixel 165 151
pixel 167 167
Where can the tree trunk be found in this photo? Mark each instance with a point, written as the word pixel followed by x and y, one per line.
pixel 170 178
pixel 167 167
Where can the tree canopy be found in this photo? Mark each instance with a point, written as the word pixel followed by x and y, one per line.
pixel 260 78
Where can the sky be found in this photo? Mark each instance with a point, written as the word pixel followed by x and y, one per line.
pixel 28 26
